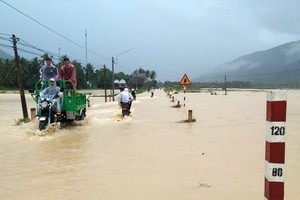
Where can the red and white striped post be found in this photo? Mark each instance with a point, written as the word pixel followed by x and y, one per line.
pixel 184 91
pixel 275 145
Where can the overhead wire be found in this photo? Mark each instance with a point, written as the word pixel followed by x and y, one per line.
pixel 53 30
pixel 52 54
pixel 5 34
pixel 7 39
pixel 6 45
pixel 24 43
pixel 30 52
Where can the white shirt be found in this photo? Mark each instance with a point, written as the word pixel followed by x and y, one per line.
pixel 125 96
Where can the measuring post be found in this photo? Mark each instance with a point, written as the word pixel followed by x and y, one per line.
pixel 275 145
pixel 184 91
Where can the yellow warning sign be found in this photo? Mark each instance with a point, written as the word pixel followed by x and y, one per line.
pixel 185 80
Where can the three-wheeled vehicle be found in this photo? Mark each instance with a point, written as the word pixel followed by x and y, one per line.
pixel 73 104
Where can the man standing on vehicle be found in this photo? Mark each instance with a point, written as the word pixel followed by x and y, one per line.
pixel 53 91
pixel 68 72
pixel 48 70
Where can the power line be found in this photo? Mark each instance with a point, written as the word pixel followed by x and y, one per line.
pixel 5 34
pixel 53 30
pixel 36 48
pixel 30 52
pixel 27 44
pixel 3 38
pixel 5 45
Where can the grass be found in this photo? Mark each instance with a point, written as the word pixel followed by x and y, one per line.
pixel 22 121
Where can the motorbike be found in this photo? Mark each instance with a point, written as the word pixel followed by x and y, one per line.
pixel 47 111
pixel 125 109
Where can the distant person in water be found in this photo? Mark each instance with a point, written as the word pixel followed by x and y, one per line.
pixel 152 92
pixel 133 93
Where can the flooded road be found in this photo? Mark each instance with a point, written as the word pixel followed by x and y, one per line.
pixel 150 154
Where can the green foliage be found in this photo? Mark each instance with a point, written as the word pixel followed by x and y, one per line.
pixel 81 83
pixel 22 121
pixel 87 77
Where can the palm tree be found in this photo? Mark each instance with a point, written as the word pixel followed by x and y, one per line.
pixel 152 75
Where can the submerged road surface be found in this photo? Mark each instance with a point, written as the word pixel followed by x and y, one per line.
pixel 148 155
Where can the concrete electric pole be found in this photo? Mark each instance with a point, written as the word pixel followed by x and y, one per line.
pixel 20 79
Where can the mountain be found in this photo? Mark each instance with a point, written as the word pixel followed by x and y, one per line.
pixel 5 55
pixel 277 65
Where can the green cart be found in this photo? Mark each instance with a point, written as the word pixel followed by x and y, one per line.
pixel 73 103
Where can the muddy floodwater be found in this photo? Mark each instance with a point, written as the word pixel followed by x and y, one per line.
pixel 150 154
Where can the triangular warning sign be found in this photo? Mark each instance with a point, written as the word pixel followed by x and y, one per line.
pixel 185 80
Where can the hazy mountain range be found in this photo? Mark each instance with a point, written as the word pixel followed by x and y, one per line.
pixel 280 64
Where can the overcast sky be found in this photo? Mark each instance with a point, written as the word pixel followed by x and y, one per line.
pixel 172 37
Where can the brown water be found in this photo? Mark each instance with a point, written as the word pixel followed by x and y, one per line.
pixel 149 155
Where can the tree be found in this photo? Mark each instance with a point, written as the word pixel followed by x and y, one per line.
pixel 30 71
pixel 152 75
pixel 90 77
pixel 79 75
pixel 99 78
pixel 8 76
pixel 103 78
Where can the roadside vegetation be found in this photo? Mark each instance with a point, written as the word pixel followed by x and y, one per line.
pixel 88 77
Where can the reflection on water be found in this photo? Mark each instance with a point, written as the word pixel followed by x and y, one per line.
pixel 147 155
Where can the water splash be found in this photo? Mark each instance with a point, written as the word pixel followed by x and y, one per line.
pixel 50 130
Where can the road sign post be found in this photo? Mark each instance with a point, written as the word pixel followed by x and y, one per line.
pixel 184 81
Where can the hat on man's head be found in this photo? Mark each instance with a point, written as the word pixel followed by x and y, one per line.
pixel 48 59
pixel 52 79
pixel 66 59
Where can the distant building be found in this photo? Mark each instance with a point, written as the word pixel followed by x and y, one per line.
pixel 139 76
pixel 137 79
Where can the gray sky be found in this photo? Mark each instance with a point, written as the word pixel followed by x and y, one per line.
pixel 172 37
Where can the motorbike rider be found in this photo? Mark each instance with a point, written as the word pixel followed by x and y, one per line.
pixel 133 93
pixel 124 97
pixel 53 90
pixel 130 98
pixel 152 92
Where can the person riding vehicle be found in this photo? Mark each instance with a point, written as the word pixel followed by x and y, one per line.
pixel 133 93
pixel 53 92
pixel 124 99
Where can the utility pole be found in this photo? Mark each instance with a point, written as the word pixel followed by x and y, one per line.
pixel 86 48
pixel 105 79
pixel 225 86
pixel 20 79
pixel 113 78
